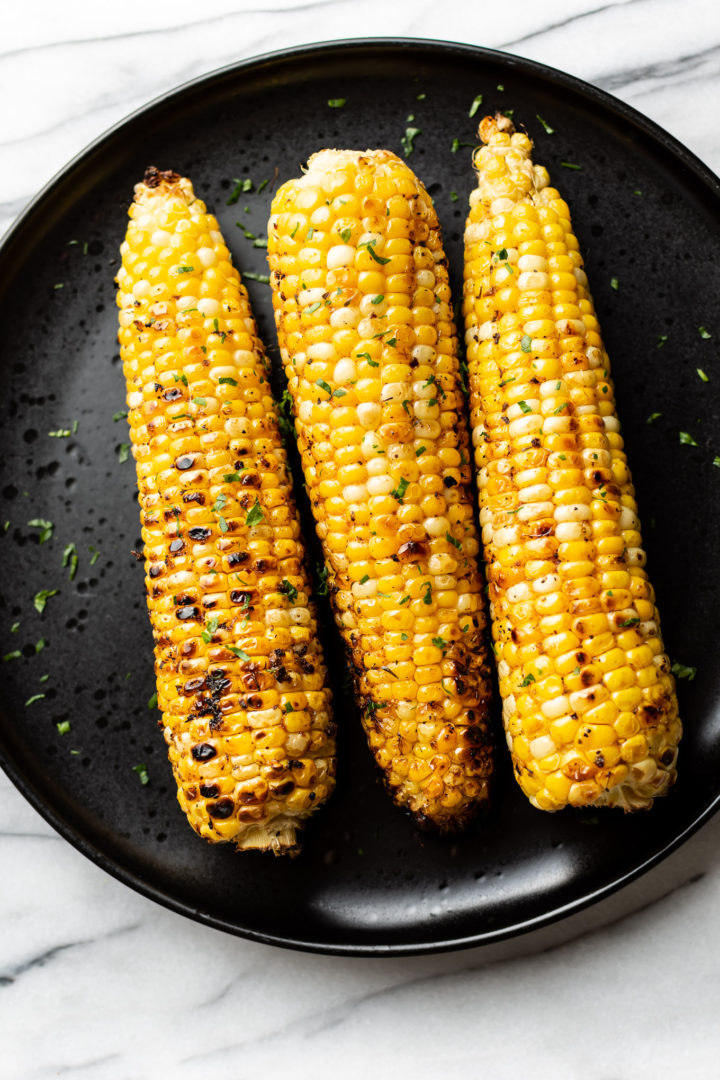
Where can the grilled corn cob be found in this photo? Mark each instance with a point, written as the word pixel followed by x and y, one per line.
pixel 589 703
pixel 240 673
pixel 364 319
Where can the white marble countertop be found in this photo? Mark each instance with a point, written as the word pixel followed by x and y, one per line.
pixel 96 981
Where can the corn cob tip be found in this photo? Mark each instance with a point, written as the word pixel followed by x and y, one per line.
pixel 163 182
pixel 154 177
pixel 279 838
pixel 491 125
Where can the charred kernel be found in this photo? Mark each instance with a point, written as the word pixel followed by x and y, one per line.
pixel 187 613
pixel 194 684
pixel 155 570
pixel 199 533
pixel 240 596
pixel 237 558
pixel 209 791
pixel 194 497
pixel 223 808
pixel 413 551
pixel 283 788
pixel 176 545
pixel 172 394
pixel 203 751
pixel 184 462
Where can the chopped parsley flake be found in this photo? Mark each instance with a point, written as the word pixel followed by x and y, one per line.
pixel 408 139
pixel 569 165
pixel 70 559
pixel 255 513
pixel 231 477
pixel 427 598
pixel 12 656
pixel 289 589
pixel 548 130
pixel 524 406
pixel 41 598
pixel 440 643
pixel 527 680
pixel 45 527
pixel 399 492
pixel 337 102
pixel 704 334
pixel 420 451
pixel 324 386
pixel 212 625
pixel 240 186
pixel 364 579
pixel 142 772
pixel 526 343
pixel 377 299
pixel 456 144
pixel 185 269
pixel 370 245
pixel 240 653
pixel 477 102
pixel 33 699
pixel 682 671
pixel 702 375
pixel 661 340
pixel 322 573
pixel 653 417
pixel 123 452
pixel 614 284
pixel 63 727
pixel 686 439
pixel 265 278
pixel 40 645
pixel 453 541
pixel 120 415
pixel 152 701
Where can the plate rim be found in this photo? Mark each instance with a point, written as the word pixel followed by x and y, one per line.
pixel 59 820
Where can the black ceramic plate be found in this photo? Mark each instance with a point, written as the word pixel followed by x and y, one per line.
pixel 646 212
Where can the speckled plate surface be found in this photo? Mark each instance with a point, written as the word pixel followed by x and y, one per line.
pixel 646 213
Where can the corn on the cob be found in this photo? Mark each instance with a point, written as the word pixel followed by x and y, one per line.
pixel 589 703
pixel 240 672
pixel 364 319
